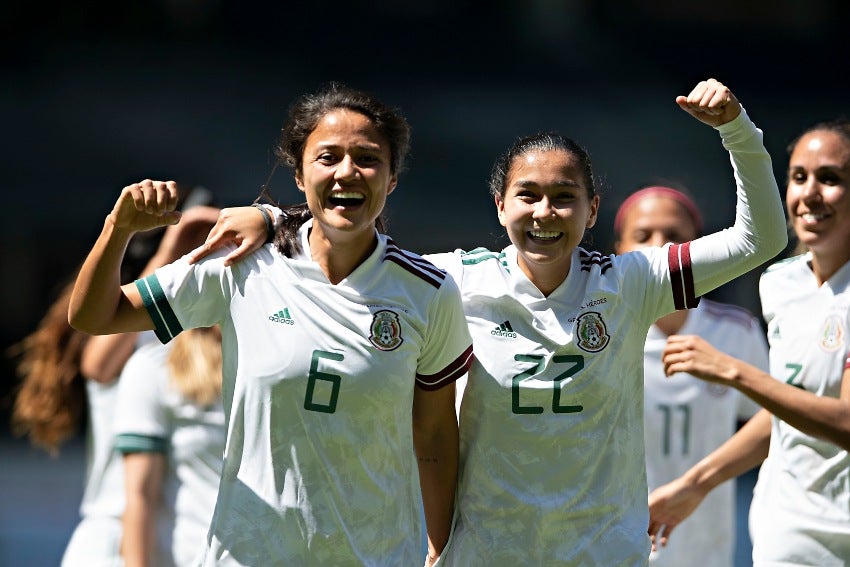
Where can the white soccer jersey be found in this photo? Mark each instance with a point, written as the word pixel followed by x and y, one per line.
pixel 97 538
pixel 318 388
pixel 552 449
pixel 153 417
pixel 553 384
pixel 802 513
pixel 686 418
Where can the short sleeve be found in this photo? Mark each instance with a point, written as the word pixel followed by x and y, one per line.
pixel 142 421
pixel 447 352
pixel 182 296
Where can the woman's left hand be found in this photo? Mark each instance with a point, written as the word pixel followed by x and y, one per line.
pixel 710 102
pixel 242 226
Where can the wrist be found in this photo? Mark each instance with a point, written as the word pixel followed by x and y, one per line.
pixel 267 218
pixel 731 372
pixel 111 227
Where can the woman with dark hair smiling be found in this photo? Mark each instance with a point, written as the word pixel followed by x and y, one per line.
pixel 340 351
pixel 552 467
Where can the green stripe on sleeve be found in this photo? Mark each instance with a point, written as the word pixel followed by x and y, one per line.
pixel 134 443
pixel 166 325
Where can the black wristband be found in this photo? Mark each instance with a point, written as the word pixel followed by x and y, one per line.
pixel 269 222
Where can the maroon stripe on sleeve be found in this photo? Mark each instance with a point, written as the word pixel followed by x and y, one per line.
pixel 676 276
pixel 449 374
pixel 415 259
pixel 682 276
pixel 414 269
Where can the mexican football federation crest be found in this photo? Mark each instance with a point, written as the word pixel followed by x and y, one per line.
pixel 385 330
pixel 832 334
pixel 591 334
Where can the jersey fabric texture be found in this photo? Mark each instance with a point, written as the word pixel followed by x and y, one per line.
pixel 153 417
pixel 801 512
pixel 552 380
pixel 96 539
pixel 552 468
pixel 686 418
pixel 318 388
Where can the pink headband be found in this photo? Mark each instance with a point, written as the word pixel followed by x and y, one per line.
pixel 658 191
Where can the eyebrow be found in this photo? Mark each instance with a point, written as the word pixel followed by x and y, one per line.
pixel 562 183
pixel 827 167
pixel 333 145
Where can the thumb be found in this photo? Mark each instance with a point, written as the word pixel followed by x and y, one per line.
pixel 682 101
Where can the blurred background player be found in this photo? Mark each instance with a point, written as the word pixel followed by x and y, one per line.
pixel 169 427
pixel 68 377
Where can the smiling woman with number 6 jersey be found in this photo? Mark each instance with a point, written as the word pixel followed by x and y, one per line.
pixel 339 353
pixel 552 463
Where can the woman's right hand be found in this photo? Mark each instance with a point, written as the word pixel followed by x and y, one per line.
pixel 669 506
pixel 146 205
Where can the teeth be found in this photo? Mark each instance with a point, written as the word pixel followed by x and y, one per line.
pixel 812 217
pixel 347 195
pixel 544 233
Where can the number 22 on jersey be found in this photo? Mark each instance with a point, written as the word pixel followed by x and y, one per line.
pixel 573 362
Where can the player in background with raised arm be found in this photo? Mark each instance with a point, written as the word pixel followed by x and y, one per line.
pixel 684 417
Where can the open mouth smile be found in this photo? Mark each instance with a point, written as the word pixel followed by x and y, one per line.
pixel 544 235
pixel 813 218
pixel 346 198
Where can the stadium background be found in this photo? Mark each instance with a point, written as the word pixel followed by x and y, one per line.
pixel 97 95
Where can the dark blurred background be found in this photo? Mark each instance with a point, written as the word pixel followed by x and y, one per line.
pixel 96 95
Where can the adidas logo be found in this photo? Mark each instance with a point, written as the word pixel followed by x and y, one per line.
pixel 282 317
pixel 504 330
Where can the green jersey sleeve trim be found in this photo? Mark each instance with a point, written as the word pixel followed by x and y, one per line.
pixel 166 325
pixel 135 443
pixel 481 254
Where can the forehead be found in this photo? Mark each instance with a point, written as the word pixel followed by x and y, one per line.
pixel 658 209
pixel 342 127
pixel 823 148
pixel 546 167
